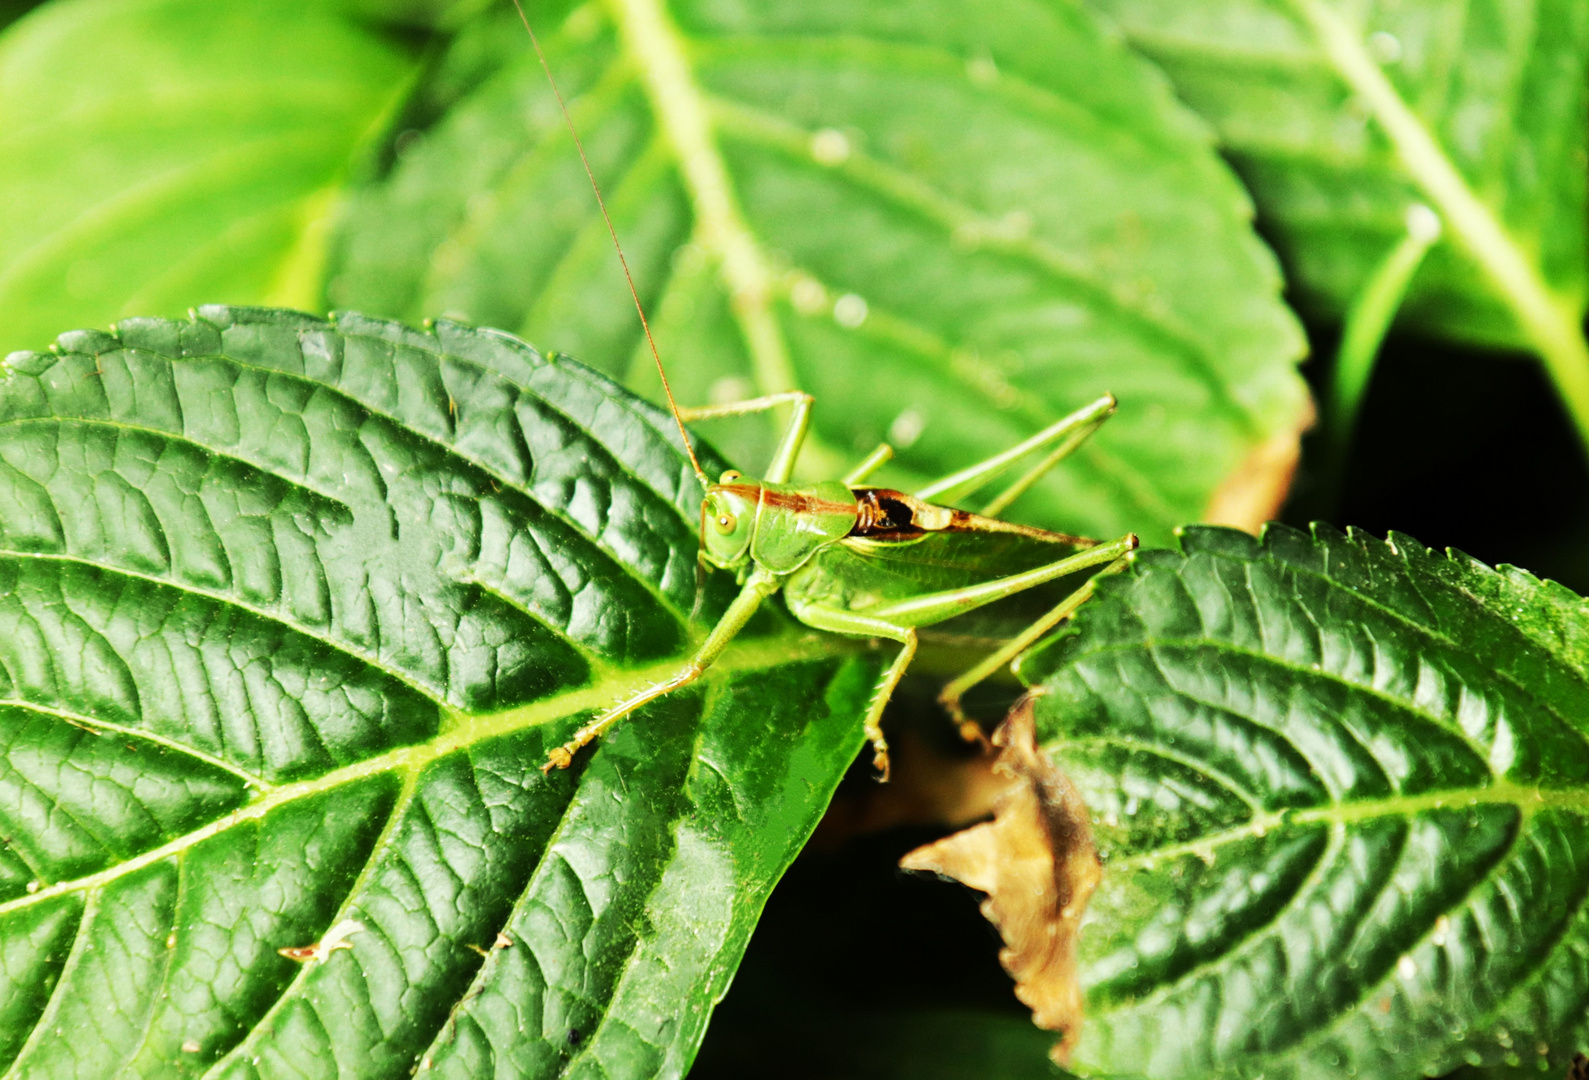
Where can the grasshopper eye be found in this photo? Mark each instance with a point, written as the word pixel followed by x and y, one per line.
pixel 730 476
pixel 725 522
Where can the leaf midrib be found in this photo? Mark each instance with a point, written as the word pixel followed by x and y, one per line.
pixel 467 731
pixel 659 52
pixel 1528 799
pixel 907 191
pixel 1549 320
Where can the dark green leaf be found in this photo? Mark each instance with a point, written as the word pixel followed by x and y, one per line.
pixel 1341 789
pixel 166 153
pixel 951 223
pixel 1502 87
pixel 290 613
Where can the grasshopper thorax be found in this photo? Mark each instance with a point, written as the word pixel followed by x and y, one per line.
pixel 776 526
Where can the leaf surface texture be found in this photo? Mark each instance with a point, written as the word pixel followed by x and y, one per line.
pixel 1503 87
pixel 290 613
pixel 1340 789
pixel 951 224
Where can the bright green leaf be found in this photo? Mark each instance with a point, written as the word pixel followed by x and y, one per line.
pixel 290 613
pixel 951 223
pixel 164 153
pixel 1503 88
pixel 1341 791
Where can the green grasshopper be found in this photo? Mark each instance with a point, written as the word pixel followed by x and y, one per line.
pixel 865 561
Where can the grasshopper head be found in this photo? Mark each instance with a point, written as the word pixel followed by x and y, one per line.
pixel 728 517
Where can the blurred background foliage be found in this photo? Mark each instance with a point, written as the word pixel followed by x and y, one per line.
pixel 157 154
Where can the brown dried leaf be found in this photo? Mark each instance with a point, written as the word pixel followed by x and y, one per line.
pixel 1256 491
pixel 1037 864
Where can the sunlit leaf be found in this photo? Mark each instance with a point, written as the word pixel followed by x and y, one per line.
pixel 952 223
pixel 290 613
pixel 165 153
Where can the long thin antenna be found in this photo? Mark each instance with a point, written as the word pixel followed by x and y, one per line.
pixel 673 406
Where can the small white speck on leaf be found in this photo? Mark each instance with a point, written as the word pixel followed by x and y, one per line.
pixel 981 69
pixel 830 146
pixel 1406 968
pixel 728 389
pixel 850 311
pixel 1442 930
pixel 1385 46
pixel 1423 224
pixel 808 296
pixel 906 428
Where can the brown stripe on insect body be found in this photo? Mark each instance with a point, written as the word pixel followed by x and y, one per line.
pixel 787 500
pixel 886 514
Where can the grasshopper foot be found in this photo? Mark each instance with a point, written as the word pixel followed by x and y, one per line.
pixel 561 758
pixel 972 732
pixel 880 761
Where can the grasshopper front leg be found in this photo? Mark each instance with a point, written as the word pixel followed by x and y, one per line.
pixel 760 585
pixel 783 460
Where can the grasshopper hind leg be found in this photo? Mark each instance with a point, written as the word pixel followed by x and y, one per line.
pixel 873 724
pixel 954 690
pixel 823 600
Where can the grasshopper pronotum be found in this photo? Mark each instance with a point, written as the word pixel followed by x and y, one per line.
pixel 845 555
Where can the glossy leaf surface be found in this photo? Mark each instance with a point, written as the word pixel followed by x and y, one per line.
pixel 1341 791
pixel 164 153
pixel 952 224
pixel 1502 87
pixel 290 613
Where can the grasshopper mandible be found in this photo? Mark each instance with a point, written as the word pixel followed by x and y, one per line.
pixel 848 557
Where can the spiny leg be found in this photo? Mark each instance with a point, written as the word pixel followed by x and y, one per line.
pixel 934 607
pixel 846 622
pixel 1067 433
pixel 873 724
pixel 1001 502
pixel 783 460
pixel 931 608
pixel 898 621
pixel 955 689
pixel 760 585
